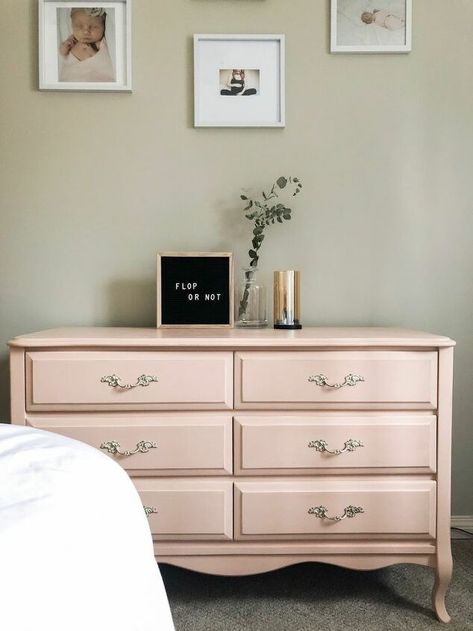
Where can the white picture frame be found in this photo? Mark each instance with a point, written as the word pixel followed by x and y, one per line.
pixel 239 80
pixel 356 29
pixel 106 66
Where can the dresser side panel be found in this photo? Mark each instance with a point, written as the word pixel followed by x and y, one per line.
pixel 444 455
pixel 17 386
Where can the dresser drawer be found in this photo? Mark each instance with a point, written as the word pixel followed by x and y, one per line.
pixel 305 444
pixel 126 380
pixel 186 509
pixel 331 379
pixel 287 509
pixel 165 445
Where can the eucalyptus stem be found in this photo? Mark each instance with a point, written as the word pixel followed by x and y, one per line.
pixel 262 212
pixel 244 299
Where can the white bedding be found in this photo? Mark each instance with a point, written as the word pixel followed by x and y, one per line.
pixel 75 547
pixel 352 31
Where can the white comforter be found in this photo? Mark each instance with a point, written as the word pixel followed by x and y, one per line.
pixel 352 31
pixel 75 547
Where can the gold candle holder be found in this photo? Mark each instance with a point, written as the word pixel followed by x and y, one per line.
pixel 287 305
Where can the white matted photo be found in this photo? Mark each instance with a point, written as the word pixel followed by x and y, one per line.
pixel 371 26
pixel 85 45
pixel 239 80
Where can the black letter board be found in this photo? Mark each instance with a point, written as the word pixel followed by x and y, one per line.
pixel 195 289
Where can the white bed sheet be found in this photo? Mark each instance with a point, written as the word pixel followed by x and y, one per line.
pixel 352 31
pixel 75 547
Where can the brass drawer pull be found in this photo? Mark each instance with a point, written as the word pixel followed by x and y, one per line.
pixel 114 381
pixel 150 510
pixel 322 446
pixel 113 447
pixel 321 380
pixel 321 512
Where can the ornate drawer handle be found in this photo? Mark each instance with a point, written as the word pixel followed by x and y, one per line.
pixel 150 510
pixel 114 382
pixel 113 447
pixel 321 380
pixel 321 445
pixel 321 512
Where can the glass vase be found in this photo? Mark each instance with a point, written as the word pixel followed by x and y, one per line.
pixel 250 301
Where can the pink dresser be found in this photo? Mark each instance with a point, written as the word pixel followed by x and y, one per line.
pixel 257 449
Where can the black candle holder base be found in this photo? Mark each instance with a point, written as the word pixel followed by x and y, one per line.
pixel 294 326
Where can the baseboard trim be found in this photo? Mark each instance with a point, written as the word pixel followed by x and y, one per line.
pixel 462 521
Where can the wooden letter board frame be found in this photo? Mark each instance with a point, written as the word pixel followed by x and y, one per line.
pixel 175 269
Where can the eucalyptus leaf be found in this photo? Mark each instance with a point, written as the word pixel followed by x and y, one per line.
pixel 262 213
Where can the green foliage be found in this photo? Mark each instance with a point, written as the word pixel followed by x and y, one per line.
pixel 264 212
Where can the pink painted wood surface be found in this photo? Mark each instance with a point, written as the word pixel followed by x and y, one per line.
pixel 71 380
pixel 308 337
pixel 330 546
pixel 245 565
pixel 194 524
pixel 188 509
pixel 17 386
pixel 271 380
pixel 265 443
pixel 186 444
pixel 280 508
pixel 444 569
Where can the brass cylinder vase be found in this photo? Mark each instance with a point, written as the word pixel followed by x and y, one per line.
pixel 287 300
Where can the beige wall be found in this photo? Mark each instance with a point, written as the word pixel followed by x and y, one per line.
pixel 93 185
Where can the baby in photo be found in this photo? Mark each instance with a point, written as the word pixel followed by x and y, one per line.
pixel 384 19
pixel 84 55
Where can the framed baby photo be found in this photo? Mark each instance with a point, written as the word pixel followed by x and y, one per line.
pixel 239 81
pixel 85 46
pixel 195 289
pixel 371 26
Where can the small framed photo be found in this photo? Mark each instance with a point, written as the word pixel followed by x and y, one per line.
pixel 239 80
pixel 195 289
pixel 371 26
pixel 85 45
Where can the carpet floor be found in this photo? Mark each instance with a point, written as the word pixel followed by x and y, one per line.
pixel 312 596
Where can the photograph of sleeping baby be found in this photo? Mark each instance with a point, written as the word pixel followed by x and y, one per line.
pixel 239 82
pixel 85 35
pixel 371 23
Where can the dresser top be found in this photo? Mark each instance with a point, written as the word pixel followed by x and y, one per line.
pixel 230 338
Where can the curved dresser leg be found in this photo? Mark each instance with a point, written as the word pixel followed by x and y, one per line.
pixel 444 562
pixel 443 575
